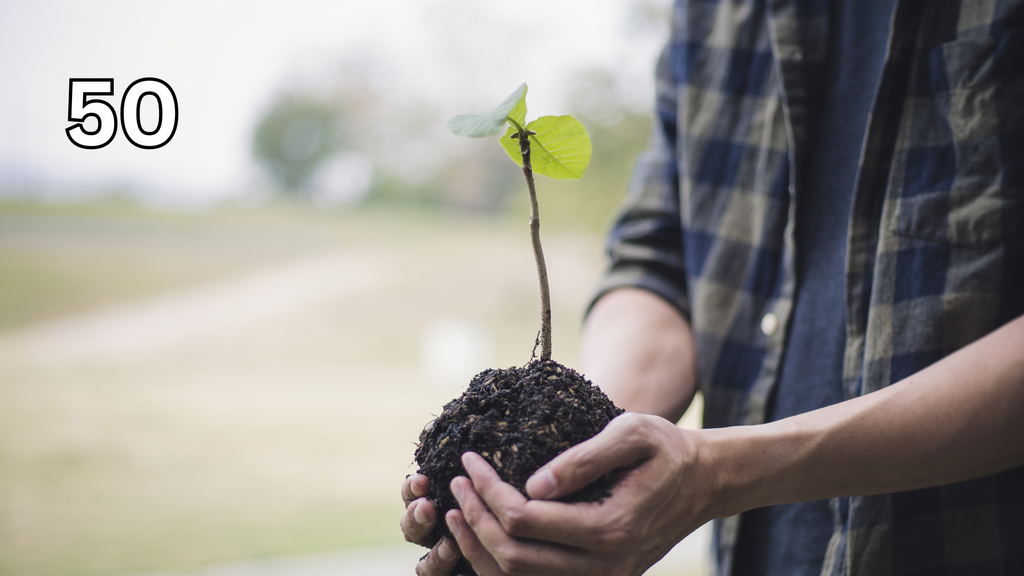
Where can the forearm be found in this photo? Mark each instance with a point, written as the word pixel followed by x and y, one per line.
pixel 961 418
pixel 640 351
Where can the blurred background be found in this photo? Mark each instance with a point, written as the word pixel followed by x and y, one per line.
pixel 216 356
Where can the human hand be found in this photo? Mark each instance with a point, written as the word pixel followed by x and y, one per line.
pixel 662 494
pixel 418 522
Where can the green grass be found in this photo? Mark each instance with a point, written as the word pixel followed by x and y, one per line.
pixel 189 542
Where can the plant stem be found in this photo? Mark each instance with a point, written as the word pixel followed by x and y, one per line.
pixel 538 251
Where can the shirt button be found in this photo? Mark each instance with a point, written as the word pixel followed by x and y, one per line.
pixel 798 56
pixel 769 324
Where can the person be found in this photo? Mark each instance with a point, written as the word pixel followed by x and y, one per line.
pixel 825 239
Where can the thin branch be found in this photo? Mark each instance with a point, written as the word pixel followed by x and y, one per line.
pixel 538 251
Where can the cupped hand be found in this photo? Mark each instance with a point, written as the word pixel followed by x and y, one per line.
pixel 663 493
pixel 418 522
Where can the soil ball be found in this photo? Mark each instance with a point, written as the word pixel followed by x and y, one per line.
pixel 518 419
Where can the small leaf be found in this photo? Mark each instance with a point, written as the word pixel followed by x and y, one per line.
pixel 473 125
pixel 560 150
pixel 480 125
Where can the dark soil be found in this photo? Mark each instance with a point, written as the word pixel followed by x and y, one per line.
pixel 518 419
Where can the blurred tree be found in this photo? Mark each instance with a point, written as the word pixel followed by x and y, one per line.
pixel 295 137
pixel 345 135
pixel 648 17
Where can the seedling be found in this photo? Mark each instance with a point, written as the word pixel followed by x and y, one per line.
pixel 555 146
pixel 518 419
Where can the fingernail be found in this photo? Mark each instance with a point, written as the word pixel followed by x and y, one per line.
pixel 417 488
pixel 455 527
pixel 445 550
pixel 457 490
pixel 418 514
pixel 541 484
pixel 467 463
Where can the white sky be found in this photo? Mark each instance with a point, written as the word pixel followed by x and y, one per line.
pixel 225 61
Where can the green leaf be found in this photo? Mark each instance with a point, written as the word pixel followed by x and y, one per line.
pixel 518 113
pixel 560 150
pixel 480 125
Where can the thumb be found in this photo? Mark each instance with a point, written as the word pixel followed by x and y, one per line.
pixel 622 443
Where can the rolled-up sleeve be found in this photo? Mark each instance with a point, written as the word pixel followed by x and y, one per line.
pixel 645 246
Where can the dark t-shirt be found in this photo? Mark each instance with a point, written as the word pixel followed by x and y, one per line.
pixel 791 540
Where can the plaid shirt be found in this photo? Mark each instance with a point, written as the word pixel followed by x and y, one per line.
pixel 935 254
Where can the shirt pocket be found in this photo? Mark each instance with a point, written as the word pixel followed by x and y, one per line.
pixel 963 171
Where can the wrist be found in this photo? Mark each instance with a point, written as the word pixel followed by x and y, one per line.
pixel 755 466
pixel 720 448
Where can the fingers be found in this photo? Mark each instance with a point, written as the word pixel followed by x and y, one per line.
pixel 418 522
pixel 470 545
pixel 498 494
pixel 624 442
pixel 504 501
pixel 415 486
pixel 574 525
pixel 493 552
pixel 419 518
pixel 441 559
pixel 502 533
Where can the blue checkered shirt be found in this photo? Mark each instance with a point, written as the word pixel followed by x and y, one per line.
pixel 935 253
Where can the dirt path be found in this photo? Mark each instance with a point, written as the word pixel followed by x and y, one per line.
pixel 156 325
